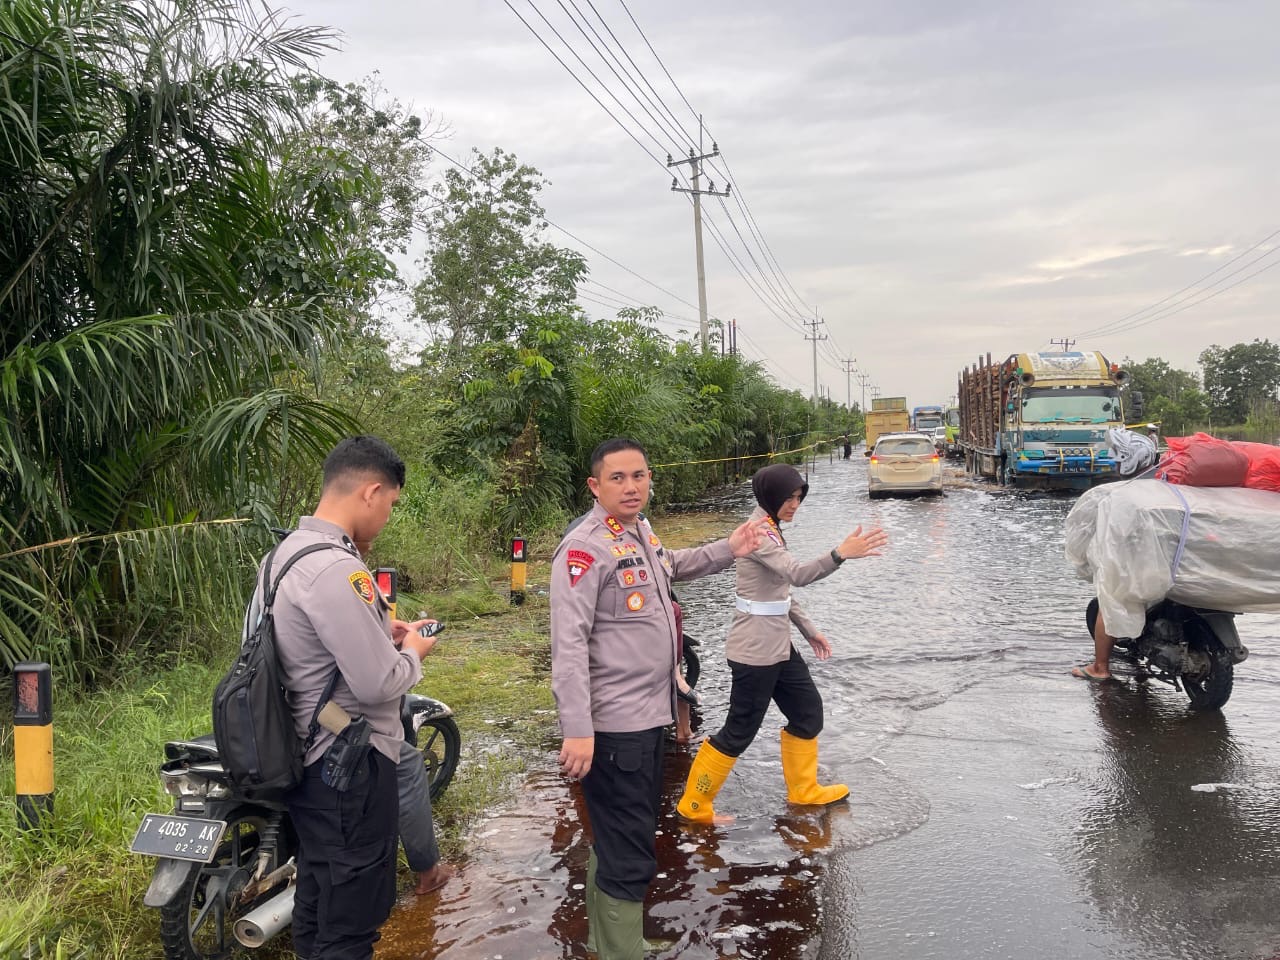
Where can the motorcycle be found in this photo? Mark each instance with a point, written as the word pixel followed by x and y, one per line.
pixel 1192 649
pixel 226 864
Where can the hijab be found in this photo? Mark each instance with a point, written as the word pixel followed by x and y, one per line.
pixel 774 485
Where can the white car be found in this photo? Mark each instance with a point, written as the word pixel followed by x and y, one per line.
pixel 904 463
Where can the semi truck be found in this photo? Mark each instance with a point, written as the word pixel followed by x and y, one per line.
pixel 926 419
pixel 887 415
pixel 1040 420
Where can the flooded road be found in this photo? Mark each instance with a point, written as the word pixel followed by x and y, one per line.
pixel 999 807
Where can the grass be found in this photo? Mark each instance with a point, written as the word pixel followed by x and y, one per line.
pixel 74 892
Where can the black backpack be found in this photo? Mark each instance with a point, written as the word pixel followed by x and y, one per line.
pixel 252 719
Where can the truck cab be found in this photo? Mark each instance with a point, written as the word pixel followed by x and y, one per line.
pixel 1057 410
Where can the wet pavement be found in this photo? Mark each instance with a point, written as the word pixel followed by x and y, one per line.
pixel 999 808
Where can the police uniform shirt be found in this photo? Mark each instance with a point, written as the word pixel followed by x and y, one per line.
pixel 329 613
pixel 613 631
pixel 769 574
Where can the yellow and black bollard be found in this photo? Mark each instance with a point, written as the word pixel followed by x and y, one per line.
pixel 517 571
pixel 33 742
pixel 389 583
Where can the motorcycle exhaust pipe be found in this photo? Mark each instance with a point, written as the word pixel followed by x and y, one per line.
pixel 262 923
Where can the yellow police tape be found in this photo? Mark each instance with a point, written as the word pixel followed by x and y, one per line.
pixel 748 456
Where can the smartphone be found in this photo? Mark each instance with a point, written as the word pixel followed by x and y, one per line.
pixel 431 629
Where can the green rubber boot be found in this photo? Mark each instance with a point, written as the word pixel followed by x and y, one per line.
pixel 591 894
pixel 621 932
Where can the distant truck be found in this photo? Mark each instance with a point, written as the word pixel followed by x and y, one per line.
pixel 1041 419
pixel 926 419
pixel 951 417
pixel 887 415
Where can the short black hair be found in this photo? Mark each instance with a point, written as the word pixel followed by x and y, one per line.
pixel 363 456
pixel 616 445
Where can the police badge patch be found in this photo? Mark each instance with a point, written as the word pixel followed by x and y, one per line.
pixel 362 584
pixel 579 563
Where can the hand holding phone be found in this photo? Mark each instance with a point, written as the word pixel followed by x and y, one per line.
pixel 431 629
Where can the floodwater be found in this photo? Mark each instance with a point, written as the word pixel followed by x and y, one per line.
pixel 999 807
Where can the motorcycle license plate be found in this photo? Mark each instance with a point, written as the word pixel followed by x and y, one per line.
pixel 181 838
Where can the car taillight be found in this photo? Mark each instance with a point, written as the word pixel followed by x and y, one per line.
pixel 875 459
pixel 935 459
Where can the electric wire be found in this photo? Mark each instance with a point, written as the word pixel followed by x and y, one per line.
pixel 1187 305
pixel 1104 329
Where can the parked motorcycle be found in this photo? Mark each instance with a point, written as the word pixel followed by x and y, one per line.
pixel 226 866
pixel 1193 649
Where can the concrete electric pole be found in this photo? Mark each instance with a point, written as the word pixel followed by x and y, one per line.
pixel 695 163
pixel 848 381
pixel 864 379
pixel 815 337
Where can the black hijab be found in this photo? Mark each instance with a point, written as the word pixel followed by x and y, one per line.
pixel 774 485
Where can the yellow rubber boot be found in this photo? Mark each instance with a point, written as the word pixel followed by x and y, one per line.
pixel 707 775
pixel 800 767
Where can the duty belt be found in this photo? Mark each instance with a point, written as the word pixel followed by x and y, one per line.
pixel 763 608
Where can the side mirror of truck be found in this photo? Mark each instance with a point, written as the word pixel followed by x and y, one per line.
pixel 1136 405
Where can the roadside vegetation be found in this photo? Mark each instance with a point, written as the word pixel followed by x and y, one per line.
pixel 203 285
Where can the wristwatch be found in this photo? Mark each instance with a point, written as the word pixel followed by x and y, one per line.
pixel 835 555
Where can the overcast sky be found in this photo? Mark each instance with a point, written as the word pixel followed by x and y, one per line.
pixel 938 178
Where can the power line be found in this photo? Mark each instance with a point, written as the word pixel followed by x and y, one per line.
pixel 1105 329
pixel 591 94
pixel 1187 305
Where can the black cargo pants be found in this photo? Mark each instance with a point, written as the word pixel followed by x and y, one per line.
pixel 622 791
pixel 346 861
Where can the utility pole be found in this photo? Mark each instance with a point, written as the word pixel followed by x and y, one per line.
pixel 1064 343
pixel 848 381
pixel 815 337
pixel 695 164
pixel 864 379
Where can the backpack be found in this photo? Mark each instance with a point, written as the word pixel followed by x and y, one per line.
pixel 252 719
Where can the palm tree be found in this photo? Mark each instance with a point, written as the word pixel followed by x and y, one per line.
pixel 164 279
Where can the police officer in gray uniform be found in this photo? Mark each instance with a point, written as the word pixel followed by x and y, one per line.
pixel 329 615
pixel 613 657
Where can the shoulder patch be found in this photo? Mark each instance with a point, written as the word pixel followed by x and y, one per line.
pixel 362 584
pixel 579 562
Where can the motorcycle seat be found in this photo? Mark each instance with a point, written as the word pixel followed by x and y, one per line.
pixel 201 747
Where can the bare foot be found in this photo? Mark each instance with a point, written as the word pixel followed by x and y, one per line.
pixel 435 878
pixel 1084 673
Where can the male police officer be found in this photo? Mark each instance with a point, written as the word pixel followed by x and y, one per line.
pixel 329 614
pixel 613 656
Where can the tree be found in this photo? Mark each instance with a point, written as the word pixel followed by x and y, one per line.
pixel 167 270
pixel 1237 377
pixel 1170 396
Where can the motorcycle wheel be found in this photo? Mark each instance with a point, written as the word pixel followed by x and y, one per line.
pixel 197 924
pixel 692 665
pixel 1211 690
pixel 441 744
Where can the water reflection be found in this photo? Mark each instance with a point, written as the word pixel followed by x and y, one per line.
pixel 1182 844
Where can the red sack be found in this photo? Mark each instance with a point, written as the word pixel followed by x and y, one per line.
pixel 1203 461
pixel 1264 465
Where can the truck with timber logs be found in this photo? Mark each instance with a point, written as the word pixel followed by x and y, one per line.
pixel 1040 420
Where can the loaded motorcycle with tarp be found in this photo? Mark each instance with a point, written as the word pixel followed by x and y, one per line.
pixel 1171 566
